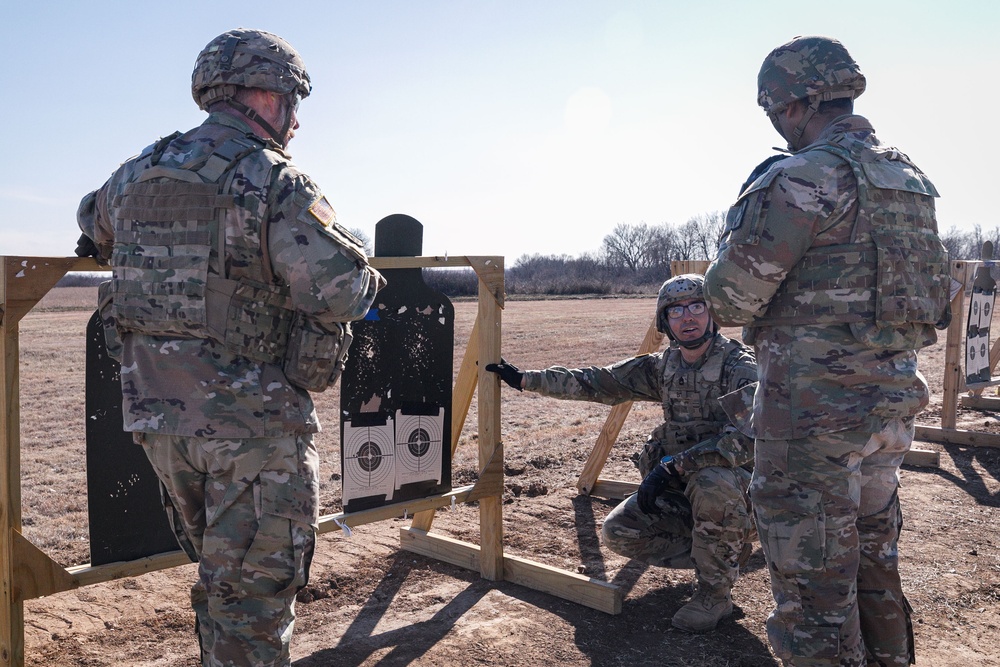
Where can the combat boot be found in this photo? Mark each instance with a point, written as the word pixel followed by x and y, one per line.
pixel 704 611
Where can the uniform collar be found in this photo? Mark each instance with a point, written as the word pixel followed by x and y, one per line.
pixel 239 123
pixel 846 124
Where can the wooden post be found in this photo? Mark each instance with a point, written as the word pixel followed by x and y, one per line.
pixel 490 446
pixel 23 282
pixel 12 612
pixel 954 351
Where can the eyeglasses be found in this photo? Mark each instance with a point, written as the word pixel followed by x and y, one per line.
pixel 677 312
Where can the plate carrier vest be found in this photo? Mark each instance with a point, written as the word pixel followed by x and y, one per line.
pixel 170 277
pixel 895 270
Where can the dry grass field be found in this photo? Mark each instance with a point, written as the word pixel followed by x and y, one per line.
pixel 368 603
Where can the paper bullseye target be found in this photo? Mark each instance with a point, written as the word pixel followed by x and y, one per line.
pixel 369 468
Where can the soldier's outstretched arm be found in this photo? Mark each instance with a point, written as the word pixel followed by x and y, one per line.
pixel 632 379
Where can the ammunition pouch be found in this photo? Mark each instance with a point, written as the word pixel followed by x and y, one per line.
pixel 316 353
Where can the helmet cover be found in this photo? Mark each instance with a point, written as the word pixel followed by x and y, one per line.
pixel 249 59
pixel 814 67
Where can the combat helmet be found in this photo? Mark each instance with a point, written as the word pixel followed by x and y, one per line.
pixel 813 68
pixel 248 59
pixel 679 288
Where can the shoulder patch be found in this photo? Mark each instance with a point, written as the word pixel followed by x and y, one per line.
pixel 323 212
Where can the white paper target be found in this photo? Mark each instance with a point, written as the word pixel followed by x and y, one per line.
pixel 369 461
pixel 418 447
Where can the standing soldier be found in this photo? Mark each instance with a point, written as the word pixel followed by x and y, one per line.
pixel 232 283
pixel 691 510
pixel 832 260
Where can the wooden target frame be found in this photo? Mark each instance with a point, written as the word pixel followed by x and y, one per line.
pixel 26 572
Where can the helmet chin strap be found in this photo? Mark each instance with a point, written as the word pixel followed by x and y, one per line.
pixel 698 342
pixel 255 117
pixel 286 124
pixel 814 102
pixel 793 143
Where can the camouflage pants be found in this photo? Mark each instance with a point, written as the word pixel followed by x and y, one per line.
pixel 247 510
pixel 702 526
pixel 829 520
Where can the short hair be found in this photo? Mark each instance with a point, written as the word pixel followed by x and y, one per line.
pixel 837 106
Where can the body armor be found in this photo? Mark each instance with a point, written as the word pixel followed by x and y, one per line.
pixel 894 272
pixel 692 412
pixel 180 273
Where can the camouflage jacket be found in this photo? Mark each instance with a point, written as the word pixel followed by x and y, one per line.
pixel 194 386
pixel 814 378
pixel 696 430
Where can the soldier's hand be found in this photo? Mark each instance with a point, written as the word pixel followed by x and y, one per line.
pixel 656 482
pixel 509 373
pixel 85 247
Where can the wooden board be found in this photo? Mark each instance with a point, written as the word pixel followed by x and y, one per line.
pixel 578 588
pixel 956 436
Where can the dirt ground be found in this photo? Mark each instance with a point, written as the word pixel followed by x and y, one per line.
pixel 369 603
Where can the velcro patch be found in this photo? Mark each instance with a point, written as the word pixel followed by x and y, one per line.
pixel 323 212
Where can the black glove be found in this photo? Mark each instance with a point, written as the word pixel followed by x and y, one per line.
pixel 509 373
pixel 656 482
pixel 86 247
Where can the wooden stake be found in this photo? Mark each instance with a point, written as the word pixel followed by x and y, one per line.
pixel 954 351
pixel 491 559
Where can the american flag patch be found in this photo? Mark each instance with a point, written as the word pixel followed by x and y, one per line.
pixel 323 212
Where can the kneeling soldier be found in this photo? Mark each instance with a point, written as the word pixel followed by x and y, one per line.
pixel 692 509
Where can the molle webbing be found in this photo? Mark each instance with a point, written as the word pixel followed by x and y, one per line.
pixel 170 202
pixel 691 410
pixel 186 265
pixel 169 241
pixel 678 436
pixel 829 284
pixel 164 242
pixel 895 272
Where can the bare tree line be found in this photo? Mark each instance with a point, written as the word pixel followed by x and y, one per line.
pixel 635 258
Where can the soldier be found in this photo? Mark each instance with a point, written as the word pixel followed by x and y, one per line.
pixel 691 510
pixel 832 260
pixel 232 283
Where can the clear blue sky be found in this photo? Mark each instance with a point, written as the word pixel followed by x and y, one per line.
pixel 506 127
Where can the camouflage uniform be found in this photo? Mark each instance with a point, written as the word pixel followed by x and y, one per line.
pixel 832 261
pixel 229 435
pixel 705 521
